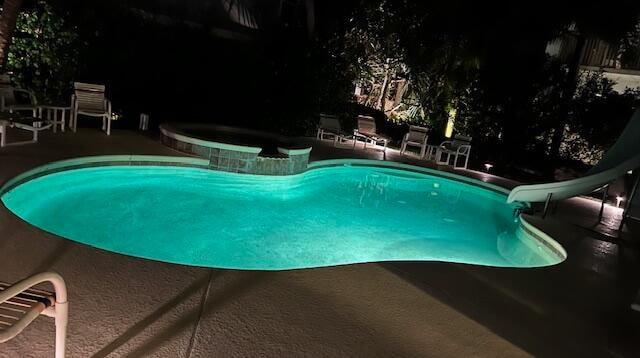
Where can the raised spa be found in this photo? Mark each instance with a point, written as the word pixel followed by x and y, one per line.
pixel 331 215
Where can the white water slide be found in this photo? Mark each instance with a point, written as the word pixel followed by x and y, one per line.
pixel 623 156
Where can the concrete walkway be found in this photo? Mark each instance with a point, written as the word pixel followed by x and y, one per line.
pixel 122 306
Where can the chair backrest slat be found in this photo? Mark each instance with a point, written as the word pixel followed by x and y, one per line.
pixel 331 122
pixel 8 97
pixel 89 96
pixel 459 140
pixel 462 138
pixel 417 134
pixel 5 80
pixel 366 124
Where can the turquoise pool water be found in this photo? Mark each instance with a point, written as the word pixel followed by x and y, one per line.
pixel 326 216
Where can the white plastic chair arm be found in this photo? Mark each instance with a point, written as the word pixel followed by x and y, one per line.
pixel 55 279
pixel 24 107
pixel 15 329
pixel 30 94
pixel 19 287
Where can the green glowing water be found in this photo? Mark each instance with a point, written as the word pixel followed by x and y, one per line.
pixel 327 216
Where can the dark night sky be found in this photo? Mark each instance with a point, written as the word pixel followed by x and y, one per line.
pixel 206 60
pixel 241 62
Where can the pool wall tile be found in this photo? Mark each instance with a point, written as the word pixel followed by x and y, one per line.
pixel 201 151
pixel 238 161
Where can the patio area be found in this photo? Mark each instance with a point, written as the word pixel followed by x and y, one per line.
pixel 122 306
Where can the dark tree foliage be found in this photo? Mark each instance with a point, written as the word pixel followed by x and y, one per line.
pixel 44 52
pixel 8 19
pixel 488 60
pixel 485 60
pixel 598 116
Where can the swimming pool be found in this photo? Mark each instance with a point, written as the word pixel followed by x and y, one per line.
pixel 331 215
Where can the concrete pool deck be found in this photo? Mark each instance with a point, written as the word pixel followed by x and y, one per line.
pixel 122 306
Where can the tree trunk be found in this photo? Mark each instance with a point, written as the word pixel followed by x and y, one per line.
pixel 383 90
pixel 8 18
pixel 568 93
pixel 311 17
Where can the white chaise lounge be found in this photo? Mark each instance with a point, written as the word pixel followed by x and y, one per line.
pixel 330 127
pixel 416 137
pixel 367 132
pixel 20 304
pixel 459 147
pixel 623 156
pixel 9 95
pixel 27 123
pixel 10 103
pixel 15 98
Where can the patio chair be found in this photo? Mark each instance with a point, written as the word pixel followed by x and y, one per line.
pixel 20 305
pixel 18 100
pixel 367 132
pixel 55 115
pixel 330 126
pixel 416 137
pixel 622 157
pixel 459 147
pixel 89 100
pixel 28 123
pixel 15 99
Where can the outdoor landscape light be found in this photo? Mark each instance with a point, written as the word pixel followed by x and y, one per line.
pixel 448 132
pixel 488 166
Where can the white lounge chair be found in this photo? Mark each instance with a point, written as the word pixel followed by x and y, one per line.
pixel 459 147
pixel 28 103
pixel 9 100
pixel 623 156
pixel 9 94
pixel 89 100
pixel 417 137
pixel 329 126
pixel 367 132
pixel 20 304
pixel 28 123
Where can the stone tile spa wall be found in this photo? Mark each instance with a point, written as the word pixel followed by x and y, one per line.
pixel 239 159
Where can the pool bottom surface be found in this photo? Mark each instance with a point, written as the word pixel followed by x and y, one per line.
pixel 324 217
